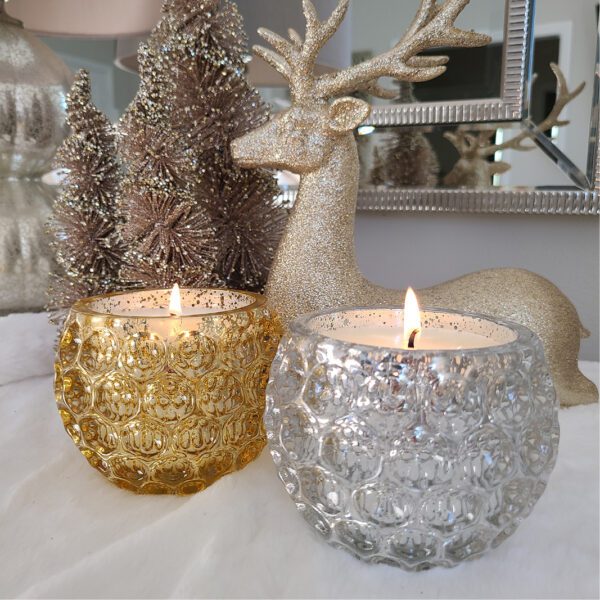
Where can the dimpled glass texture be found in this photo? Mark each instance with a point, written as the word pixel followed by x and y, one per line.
pixel 406 457
pixel 163 404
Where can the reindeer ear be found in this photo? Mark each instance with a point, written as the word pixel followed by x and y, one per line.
pixel 345 114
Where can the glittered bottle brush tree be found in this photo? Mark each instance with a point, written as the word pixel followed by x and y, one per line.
pixel 190 215
pixel 408 159
pixel 315 266
pixel 157 200
pixel 83 226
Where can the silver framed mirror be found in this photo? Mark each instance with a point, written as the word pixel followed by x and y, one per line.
pixel 541 157
pixel 546 162
pixel 511 42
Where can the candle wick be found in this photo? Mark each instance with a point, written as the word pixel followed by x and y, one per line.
pixel 412 338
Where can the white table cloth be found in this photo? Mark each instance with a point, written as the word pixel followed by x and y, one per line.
pixel 66 532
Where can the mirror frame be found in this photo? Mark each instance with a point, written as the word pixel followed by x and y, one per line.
pixel 513 102
pixel 584 201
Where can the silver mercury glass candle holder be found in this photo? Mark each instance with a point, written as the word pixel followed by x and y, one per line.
pixel 416 458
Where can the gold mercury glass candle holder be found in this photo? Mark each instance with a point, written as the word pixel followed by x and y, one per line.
pixel 166 403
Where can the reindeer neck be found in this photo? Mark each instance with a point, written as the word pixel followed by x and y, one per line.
pixel 326 202
pixel 316 257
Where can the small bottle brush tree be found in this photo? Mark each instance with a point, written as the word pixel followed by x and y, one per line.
pixel 190 215
pixel 409 158
pixel 82 228
pixel 377 176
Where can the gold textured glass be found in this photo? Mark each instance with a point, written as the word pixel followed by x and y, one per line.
pixel 166 404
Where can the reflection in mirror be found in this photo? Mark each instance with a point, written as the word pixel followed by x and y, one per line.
pixel 505 155
pixel 565 33
pixel 449 157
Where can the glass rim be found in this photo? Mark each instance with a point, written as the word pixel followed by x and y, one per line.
pixel 84 305
pixel 523 335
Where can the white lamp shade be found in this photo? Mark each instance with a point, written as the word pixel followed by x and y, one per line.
pixel 93 18
pixel 130 21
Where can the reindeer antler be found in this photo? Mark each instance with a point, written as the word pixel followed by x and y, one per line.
pixel 295 58
pixel 563 97
pixel 468 144
pixel 432 27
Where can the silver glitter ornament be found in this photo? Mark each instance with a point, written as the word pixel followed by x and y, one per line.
pixel 34 84
pixel 33 87
pixel 315 266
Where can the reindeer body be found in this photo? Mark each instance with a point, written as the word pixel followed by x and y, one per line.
pixel 474 172
pixel 315 265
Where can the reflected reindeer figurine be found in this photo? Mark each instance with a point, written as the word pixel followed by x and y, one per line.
pixel 315 266
pixel 475 145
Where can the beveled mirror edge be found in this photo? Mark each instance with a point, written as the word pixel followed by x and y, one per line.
pixel 511 106
pixel 594 153
pixel 484 200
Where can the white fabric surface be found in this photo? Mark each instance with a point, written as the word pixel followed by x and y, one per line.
pixel 66 532
pixel 27 348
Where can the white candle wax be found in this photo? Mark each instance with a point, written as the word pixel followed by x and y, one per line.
pixel 169 313
pixel 186 311
pixel 428 339
pixel 169 325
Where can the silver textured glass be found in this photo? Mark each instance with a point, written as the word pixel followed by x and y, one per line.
pixel 34 83
pixel 415 458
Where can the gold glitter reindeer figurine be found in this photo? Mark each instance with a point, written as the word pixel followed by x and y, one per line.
pixel 315 266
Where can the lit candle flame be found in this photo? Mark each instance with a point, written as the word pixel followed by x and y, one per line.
pixel 175 302
pixel 412 319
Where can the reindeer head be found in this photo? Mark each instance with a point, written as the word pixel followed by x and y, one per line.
pixel 302 138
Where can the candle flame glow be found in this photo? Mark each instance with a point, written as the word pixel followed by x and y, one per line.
pixel 412 317
pixel 175 302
